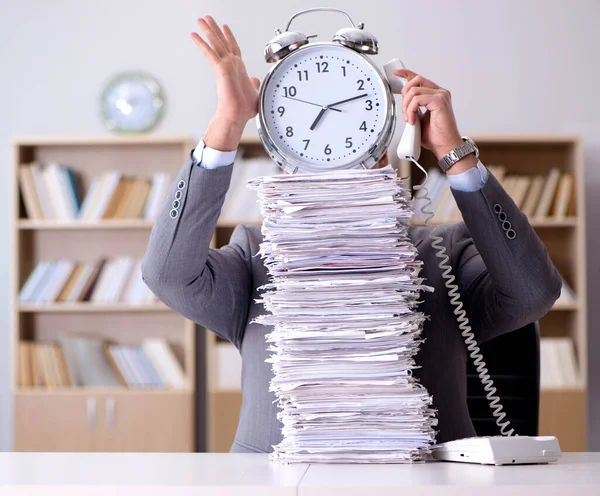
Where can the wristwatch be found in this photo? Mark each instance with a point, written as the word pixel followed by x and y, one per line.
pixel 468 146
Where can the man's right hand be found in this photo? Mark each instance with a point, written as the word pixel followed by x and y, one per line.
pixel 237 93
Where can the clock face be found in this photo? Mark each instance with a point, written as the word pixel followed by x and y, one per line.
pixel 325 105
pixel 131 103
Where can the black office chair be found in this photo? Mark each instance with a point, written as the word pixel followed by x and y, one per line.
pixel 513 362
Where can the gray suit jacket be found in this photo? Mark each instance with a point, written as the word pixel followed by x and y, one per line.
pixel 505 284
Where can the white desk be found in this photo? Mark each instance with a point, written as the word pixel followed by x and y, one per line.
pixel 70 474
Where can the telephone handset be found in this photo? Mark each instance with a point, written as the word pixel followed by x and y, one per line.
pixel 409 148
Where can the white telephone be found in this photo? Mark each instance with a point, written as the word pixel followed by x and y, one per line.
pixel 509 448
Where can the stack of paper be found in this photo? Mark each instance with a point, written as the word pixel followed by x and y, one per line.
pixel 343 296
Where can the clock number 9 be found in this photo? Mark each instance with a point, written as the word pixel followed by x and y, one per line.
pixel 281 111
pixel 327 150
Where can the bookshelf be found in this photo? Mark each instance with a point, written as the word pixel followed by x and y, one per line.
pixel 563 409
pixel 84 418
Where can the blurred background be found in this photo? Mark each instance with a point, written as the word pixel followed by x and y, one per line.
pixel 523 75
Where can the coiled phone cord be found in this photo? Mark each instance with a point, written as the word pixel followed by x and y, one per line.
pixel 461 314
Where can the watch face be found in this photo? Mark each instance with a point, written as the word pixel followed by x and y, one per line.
pixel 326 106
pixel 131 103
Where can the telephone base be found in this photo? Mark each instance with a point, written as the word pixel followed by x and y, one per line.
pixel 499 450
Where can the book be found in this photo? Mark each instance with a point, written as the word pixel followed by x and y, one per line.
pixel 31 200
pixel 25 368
pixel 71 282
pixel 548 193
pixel 91 363
pixel 115 199
pixel 34 279
pixel 89 199
pixel 157 195
pixel 522 185
pixel 76 292
pixel 90 284
pixel 165 362
pixel 532 197
pixel 558 363
pixel 42 192
pixel 563 196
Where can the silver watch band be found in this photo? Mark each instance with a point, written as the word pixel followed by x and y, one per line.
pixel 461 151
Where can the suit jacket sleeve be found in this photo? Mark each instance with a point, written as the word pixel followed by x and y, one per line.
pixel 212 287
pixel 503 270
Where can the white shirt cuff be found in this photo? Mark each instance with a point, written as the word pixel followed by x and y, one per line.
pixel 469 181
pixel 209 158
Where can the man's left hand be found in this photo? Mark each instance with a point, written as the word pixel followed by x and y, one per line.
pixel 439 132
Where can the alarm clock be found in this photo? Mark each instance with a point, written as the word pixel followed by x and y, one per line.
pixel 325 105
pixel 131 103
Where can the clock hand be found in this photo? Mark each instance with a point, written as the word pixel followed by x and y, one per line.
pixel 321 113
pixel 348 100
pixel 310 103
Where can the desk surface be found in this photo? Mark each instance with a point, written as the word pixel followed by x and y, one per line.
pixel 207 474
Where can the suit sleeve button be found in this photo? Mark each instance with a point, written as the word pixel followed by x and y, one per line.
pixel 511 234
pixel 502 216
pixel 507 226
pixel 174 213
pixel 181 184
pixel 497 208
pixel 178 195
pixel 176 204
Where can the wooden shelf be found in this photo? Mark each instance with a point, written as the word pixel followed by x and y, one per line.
pixel 28 224
pixel 228 224
pixel 105 140
pixel 100 390
pixel 569 222
pixel 90 308
pixel 562 307
pixel 59 419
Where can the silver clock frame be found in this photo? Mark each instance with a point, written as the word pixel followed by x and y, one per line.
pixel 293 165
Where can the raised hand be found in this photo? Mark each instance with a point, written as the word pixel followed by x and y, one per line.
pixel 439 132
pixel 237 93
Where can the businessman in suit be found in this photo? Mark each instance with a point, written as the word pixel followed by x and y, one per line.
pixel 505 276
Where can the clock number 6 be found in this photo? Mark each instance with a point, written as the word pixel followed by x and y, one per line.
pixel 327 150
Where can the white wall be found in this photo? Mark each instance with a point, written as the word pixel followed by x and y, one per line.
pixel 512 66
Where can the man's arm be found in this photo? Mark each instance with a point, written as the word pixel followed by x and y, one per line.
pixel 212 287
pixel 504 274
pixel 503 270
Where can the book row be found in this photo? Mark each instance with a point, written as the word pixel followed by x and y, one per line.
pixel 90 362
pixel 558 364
pixel 114 280
pixel 53 192
pixel 539 197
